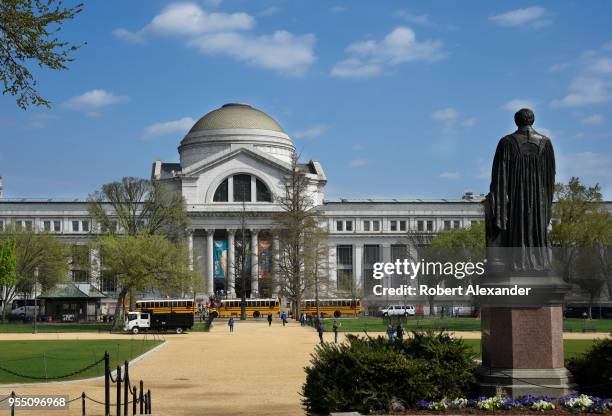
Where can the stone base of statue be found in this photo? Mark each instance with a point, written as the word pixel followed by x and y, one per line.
pixel 522 338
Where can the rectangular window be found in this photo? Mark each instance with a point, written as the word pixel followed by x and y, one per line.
pixel 57 227
pixel 456 224
pixel 1 225
pixel 47 225
pixel 339 226
pixel 430 225
pixel 420 225
pixel 366 226
pixel 475 222
pixel 447 225
pixel 375 225
pixel 349 225
pixel 28 225
pixel 402 225
pixel 75 226
pixel 371 255
pixel 344 267
pixel 393 225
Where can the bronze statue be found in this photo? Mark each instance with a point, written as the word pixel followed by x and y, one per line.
pixel 518 207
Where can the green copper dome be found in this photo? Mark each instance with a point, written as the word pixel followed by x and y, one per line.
pixel 236 116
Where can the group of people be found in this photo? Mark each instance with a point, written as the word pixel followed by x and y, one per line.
pixel 396 332
pixel 320 329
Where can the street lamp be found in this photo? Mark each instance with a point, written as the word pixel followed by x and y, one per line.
pixel 35 302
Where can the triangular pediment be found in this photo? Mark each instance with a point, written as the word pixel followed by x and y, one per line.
pixel 197 168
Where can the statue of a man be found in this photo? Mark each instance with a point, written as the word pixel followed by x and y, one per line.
pixel 519 205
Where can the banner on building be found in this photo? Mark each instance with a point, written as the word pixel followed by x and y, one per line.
pixel 265 258
pixel 220 259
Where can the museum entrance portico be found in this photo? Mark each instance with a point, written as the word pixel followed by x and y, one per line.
pixel 219 254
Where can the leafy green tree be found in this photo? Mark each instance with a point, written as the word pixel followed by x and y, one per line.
pixel 28 35
pixel 583 227
pixel 8 269
pixel 35 251
pixel 458 245
pixel 145 261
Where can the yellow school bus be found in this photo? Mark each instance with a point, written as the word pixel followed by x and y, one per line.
pixel 332 307
pixel 254 307
pixel 163 306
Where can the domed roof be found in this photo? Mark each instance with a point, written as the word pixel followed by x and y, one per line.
pixel 236 116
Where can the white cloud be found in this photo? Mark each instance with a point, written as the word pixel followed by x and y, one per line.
pixel 94 99
pixel 450 175
pixel 311 132
pixel 270 11
pixel 602 65
pixel 175 126
pixel 589 166
pixel 369 58
pixel 518 103
pixel 359 162
pixel 594 119
pixel 421 19
pixel 281 51
pixel 188 19
pixel 446 115
pixel 534 15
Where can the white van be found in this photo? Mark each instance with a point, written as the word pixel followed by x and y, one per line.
pixel 398 310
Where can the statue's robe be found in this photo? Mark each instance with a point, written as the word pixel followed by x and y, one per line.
pixel 519 205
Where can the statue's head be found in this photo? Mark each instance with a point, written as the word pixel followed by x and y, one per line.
pixel 524 117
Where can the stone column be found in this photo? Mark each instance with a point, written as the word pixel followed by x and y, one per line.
pixel 231 278
pixel 210 286
pixel 332 267
pixel 254 264
pixel 190 248
pixel 358 267
pixel 276 270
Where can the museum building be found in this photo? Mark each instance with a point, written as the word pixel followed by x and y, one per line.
pixel 232 163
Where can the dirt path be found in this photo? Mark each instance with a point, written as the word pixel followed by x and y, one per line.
pixel 254 371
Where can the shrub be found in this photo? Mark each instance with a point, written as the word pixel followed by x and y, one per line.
pixel 370 374
pixel 592 370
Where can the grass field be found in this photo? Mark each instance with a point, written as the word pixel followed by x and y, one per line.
pixel 571 347
pixel 43 327
pixel 48 359
pixel 450 324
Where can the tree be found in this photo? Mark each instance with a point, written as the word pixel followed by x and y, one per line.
pixel 588 274
pixel 33 251
pixel 454 246
pixel 8 268
pixel 28 34
pixel 145 261
pixel 138 206
pixel 584 225
pixel 297 226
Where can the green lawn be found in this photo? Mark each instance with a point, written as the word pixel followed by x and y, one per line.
pixel 52 358
pixel 571 347
pixel 451 324
pixel 19 327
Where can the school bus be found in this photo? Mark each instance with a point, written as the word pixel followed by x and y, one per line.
pixel 254 307
pixel 332 307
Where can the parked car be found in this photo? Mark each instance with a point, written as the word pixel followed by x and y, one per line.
pixel 21 313
pixel 398 310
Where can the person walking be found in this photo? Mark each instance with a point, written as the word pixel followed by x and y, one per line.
pixel 269 319
pixel 303 319
pixel 320 330
pixel 335 328
pixel 230 323
pixel 390 332
pixel 399 332
pixel 284 317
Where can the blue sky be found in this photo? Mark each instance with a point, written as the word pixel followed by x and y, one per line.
pixel 396 99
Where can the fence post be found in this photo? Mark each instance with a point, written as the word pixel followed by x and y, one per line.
pixel 126 389
pixel 134 400
pixel 147 404
pixel 141 400
pixel 13 405
pixel 106 384
pixel 83 402
pixel 118 391
pixel 150 404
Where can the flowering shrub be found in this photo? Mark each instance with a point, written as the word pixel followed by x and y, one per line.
pixel 578 403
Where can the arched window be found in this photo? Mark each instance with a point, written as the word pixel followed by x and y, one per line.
pixel 221 193
pixel 242 188
pixel 263 193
